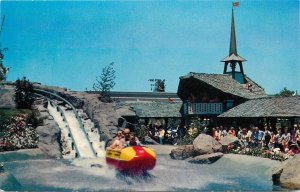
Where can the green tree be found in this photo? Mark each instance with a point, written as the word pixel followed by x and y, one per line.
pixel 160 85
pixel 24 94
pixel 105 82
pixel 285 93
pixel 3 70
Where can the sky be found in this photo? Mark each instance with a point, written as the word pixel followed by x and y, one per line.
pixel 67 43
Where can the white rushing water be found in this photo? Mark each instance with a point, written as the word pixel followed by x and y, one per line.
pixel 79 136
pixel 81 141
pixel 66 141
pixel 231 172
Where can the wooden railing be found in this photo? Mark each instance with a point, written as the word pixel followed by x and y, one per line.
pixel 203 108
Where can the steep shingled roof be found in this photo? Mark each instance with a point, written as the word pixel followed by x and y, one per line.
pixel 157 109
pixel 267 107
pixel 225 83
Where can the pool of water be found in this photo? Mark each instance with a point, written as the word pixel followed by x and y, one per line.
pixel 27 172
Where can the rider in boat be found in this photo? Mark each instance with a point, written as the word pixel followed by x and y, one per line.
pixel 119 142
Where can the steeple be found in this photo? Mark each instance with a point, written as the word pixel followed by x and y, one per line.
pixel 233 58
pixel 232 48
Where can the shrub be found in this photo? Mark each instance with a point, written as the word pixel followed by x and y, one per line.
pixel 24 94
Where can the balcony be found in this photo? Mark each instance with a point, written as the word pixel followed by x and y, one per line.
pixel 202 108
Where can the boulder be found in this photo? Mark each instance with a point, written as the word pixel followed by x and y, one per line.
pixel 206 159
pixel 228 140
pixel 49 138
pixel 7 96
pixel 182 152
pixel 287 174
pixel 204 144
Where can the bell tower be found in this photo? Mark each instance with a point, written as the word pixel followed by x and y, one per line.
pixel 233 59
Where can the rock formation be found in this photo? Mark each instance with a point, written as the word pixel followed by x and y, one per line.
pixel 287 174
pixel 228 140
pixel 204 144
pixel 206 159
pixel 7 96
pixel 205 149
pixel 182 152
pixel 49 134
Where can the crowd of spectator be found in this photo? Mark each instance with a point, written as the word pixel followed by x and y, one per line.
pixel 283 140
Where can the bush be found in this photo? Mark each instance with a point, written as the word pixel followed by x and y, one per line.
pixel 34 120
pixel 24 94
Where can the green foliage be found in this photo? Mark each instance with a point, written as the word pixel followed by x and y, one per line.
pixel 3 70
pixel 187 140
pixel 33 119
pixel 6 114
pixel 105 82
pixel 285 93
pixel 24 94
pixel 160 85
pixel 257 152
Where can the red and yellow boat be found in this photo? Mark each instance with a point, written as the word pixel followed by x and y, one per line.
pixel 133 159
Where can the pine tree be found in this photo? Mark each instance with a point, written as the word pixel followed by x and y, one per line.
pixel 105 82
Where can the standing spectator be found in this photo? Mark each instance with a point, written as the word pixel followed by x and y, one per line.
pixel 285 139
pixel 294 134
pixel 279 139
pixel 156 133
pixel 180 132
pixel 243 137
pixel 161 135
pixel 213 132
pixel 232 132
pixel 267 136
pixel 257 137
pixel 218 134
pixel 239 132
pixel 273 143
pixel 223 131
pixel 297 135
pixel 249 134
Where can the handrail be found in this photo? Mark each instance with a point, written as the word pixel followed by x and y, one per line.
pixel 63 114
pixel 74 110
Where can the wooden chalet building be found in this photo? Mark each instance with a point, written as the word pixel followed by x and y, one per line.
pixel 209 95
